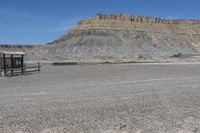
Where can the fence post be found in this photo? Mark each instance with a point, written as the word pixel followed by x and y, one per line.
pixel 4 64
pixel 5 71
pixel 12 65
pixel 22 64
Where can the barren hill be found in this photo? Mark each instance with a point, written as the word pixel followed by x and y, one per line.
pixel 124 37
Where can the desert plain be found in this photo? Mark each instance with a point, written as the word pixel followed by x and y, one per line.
pixel 105 98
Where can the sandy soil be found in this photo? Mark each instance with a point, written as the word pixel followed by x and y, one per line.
pixel 116 98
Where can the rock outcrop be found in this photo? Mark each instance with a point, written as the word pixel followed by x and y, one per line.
pixel 124 37
pixel 132 18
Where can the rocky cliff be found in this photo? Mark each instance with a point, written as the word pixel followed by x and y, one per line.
pixel 132 18
pixel 124 37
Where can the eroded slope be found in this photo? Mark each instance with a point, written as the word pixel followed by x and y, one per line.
pixel 124 37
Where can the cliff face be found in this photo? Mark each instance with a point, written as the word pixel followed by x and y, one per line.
pixel 132 18
pixel 124 37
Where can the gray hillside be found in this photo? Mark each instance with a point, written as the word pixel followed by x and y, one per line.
pixel 108 39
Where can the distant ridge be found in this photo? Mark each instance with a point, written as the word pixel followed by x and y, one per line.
pixel 123 37
pixel 17 47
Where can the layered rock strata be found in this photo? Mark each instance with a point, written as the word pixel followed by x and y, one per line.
pixel 124 37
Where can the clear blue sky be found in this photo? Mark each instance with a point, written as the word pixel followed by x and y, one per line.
pixel 41 21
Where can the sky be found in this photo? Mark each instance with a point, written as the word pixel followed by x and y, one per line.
pixel 41 21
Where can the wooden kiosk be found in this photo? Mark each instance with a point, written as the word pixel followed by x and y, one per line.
pixel 11 63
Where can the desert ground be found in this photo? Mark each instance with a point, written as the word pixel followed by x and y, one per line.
pixel 106 98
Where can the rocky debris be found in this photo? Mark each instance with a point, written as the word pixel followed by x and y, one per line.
pixel 177 55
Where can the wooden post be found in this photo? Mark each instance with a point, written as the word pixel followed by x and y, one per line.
pixel 12 65
pixel 4 64
pixel 22 64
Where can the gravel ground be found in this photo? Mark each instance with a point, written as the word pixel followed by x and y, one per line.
pixel 120 98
